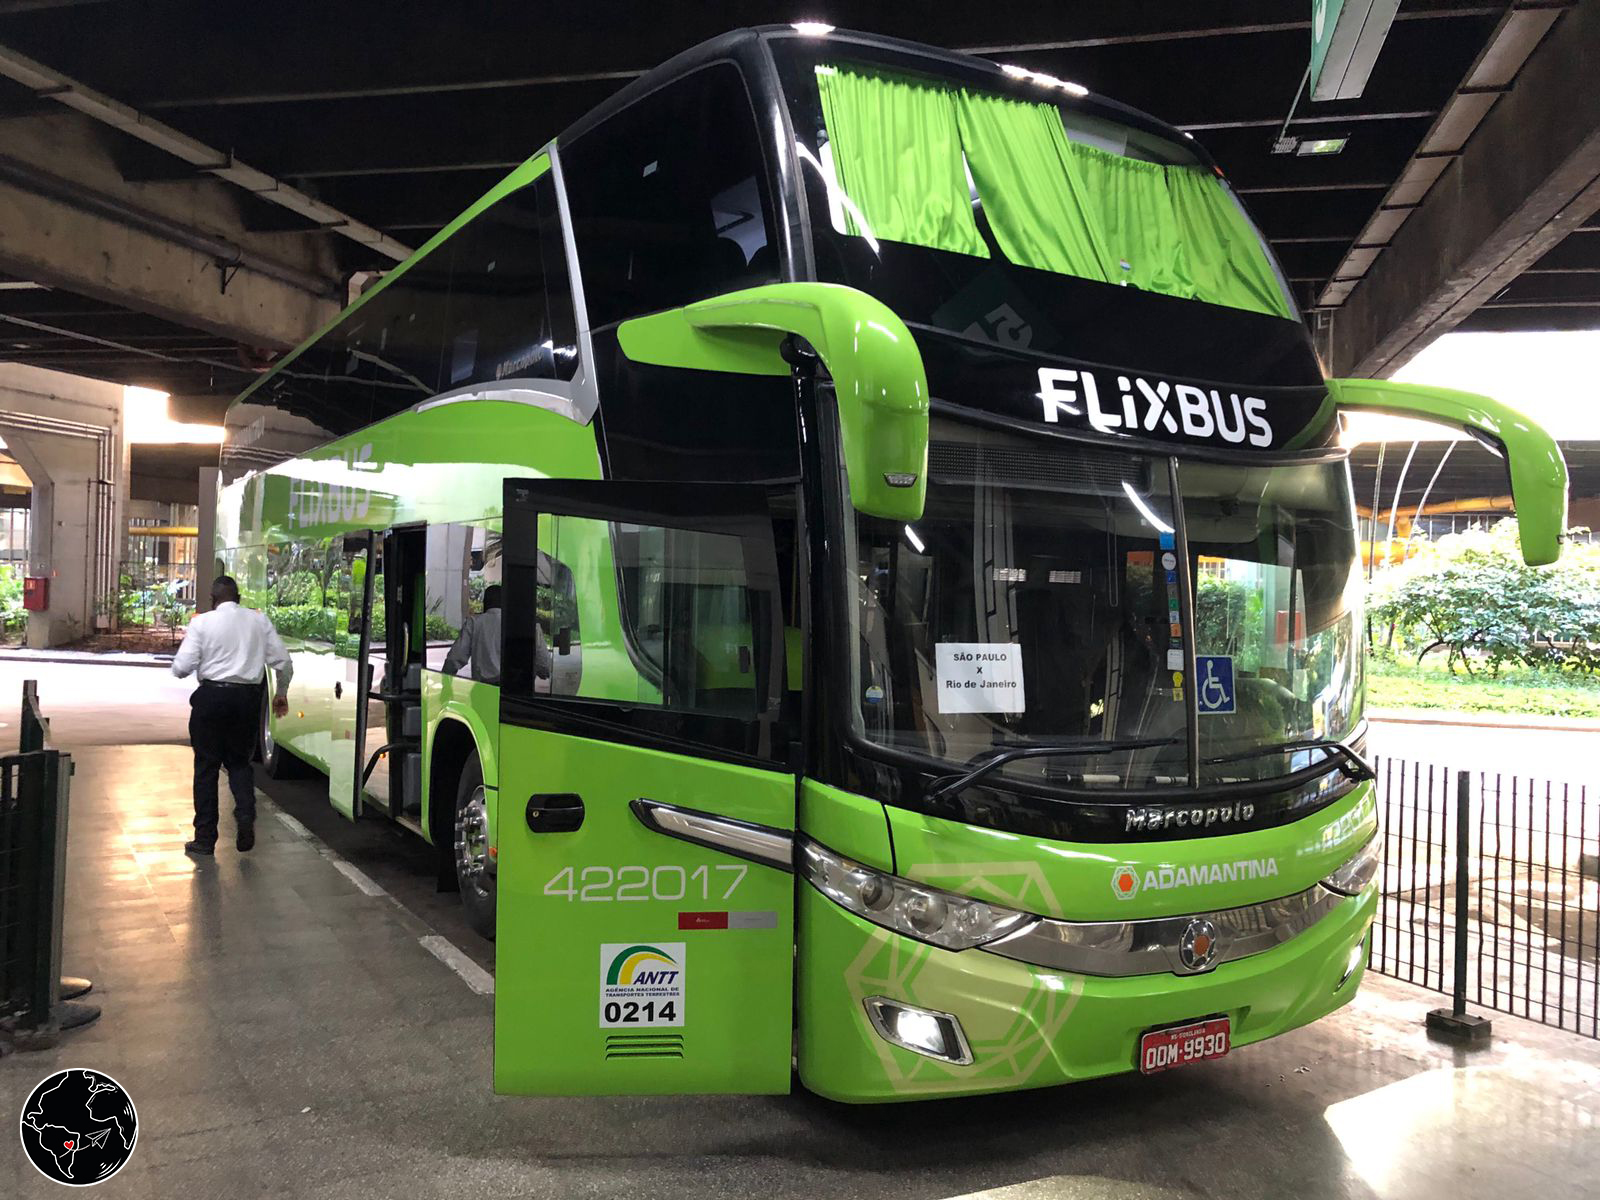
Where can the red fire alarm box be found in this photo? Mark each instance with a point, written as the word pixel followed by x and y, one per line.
pixel 36 593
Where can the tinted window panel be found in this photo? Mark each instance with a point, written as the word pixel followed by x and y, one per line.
pixel 494 302
pixel 669 199
pixel 510 314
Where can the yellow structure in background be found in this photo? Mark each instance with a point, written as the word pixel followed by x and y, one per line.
pixel 1401 546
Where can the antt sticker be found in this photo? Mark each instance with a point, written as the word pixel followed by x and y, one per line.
pixel 641 984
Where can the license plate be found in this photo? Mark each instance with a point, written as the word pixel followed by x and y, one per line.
pixel 1163 1049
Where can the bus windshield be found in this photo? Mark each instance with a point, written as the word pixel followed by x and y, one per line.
pixel 1007 211
pixel 1037 602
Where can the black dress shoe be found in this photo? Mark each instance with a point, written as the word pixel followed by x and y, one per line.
pixel 198 848
pixel 247 838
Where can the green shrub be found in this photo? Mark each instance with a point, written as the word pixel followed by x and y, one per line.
pixel 304 622
pixel 12 614
pixel 1471 596
pixel 296 588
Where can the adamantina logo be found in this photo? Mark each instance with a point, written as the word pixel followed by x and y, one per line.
pixel 642 966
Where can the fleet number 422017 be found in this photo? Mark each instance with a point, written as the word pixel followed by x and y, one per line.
pixel 592 885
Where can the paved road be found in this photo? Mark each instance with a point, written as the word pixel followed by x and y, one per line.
pixel 1567 755
pixel 1355 1107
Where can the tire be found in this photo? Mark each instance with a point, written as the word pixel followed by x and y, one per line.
pixel 277 762
pixel 471 850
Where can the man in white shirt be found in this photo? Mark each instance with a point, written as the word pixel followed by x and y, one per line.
pixel 229 649
pixel 479 641
pixel 478 644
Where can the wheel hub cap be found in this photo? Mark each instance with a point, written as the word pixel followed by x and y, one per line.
pixel 472 841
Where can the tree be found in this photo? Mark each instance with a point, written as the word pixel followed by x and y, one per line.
pixel 1471 595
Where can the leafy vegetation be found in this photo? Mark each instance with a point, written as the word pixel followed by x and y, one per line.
pixel 12 615
pixel 1393 684
pixel 1471 597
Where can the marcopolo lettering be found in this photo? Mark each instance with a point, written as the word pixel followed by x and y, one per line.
pixel 1154 406
pixel 1154 817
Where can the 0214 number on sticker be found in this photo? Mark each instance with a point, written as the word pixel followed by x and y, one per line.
pixel 642 983
pixel 599 885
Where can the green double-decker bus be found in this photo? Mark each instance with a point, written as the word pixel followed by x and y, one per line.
pixel 923 643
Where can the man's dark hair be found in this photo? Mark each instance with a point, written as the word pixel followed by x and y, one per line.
pixel 491 597
pixel 223 590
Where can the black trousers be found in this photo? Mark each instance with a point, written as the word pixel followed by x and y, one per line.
pixel 223 722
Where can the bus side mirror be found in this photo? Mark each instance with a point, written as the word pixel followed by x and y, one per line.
pixel 1533 460
pixel 878 377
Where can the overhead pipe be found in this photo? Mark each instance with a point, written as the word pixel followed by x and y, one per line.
pixel 220 250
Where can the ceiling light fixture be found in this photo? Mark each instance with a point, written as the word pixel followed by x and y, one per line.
pixel 1311 147
pixel 1044 80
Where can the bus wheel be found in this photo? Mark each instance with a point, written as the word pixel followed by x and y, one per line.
pixel 472 850
pixel 275 760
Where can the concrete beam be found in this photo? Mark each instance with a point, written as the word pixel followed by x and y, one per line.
pixel 146 262
pixel 1527 178
pixel 49 243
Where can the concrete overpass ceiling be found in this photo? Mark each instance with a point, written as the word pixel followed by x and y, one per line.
pixel 396 117
pixel 1460 470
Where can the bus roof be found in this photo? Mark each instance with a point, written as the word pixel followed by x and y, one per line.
pixel 744 46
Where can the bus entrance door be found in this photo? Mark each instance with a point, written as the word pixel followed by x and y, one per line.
pixel 645 900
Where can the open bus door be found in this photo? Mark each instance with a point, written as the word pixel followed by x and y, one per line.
pixel 354 573
pixel 645 914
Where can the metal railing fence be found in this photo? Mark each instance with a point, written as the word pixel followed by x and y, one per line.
pixel 1527 925
pixel 35 1002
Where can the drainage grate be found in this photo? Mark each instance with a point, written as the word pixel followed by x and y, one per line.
pixel 644 1045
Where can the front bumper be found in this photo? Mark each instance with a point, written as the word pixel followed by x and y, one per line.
pixel 1031 1026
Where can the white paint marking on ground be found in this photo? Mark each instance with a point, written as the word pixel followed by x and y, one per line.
pixel 446 951
pixel 357 876
pixel 442 948
pixel 294 826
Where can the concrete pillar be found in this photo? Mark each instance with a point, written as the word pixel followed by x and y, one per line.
pixel 207 564
pixel 66 432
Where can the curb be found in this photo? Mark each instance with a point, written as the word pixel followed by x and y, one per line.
pixel 1423 716
pixel 84 660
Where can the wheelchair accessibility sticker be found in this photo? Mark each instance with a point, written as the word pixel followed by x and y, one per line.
pixel 1214 689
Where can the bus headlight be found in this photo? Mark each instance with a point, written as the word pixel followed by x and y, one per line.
pixel 928 914
pixel 1353 877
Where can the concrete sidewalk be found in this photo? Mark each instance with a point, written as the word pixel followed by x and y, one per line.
pixel 285 1029
pixel 1484 720
pixel 101 658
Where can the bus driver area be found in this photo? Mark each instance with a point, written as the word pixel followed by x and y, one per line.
pixel 828 653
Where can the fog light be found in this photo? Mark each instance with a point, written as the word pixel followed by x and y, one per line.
pixel 1358 954
pixel 920 1030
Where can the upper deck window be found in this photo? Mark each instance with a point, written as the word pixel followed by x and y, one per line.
pixel 917 161
pixel 669 199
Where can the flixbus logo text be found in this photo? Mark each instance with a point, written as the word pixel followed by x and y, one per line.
pixel 1153 406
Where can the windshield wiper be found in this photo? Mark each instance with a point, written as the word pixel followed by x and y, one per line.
pixel 955 783
pixel 1339 754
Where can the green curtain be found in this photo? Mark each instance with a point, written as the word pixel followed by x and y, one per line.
pixel 1224 252
pixel 1134 215
pixel 898 157
pixel 1051 203
pixel 1038 207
